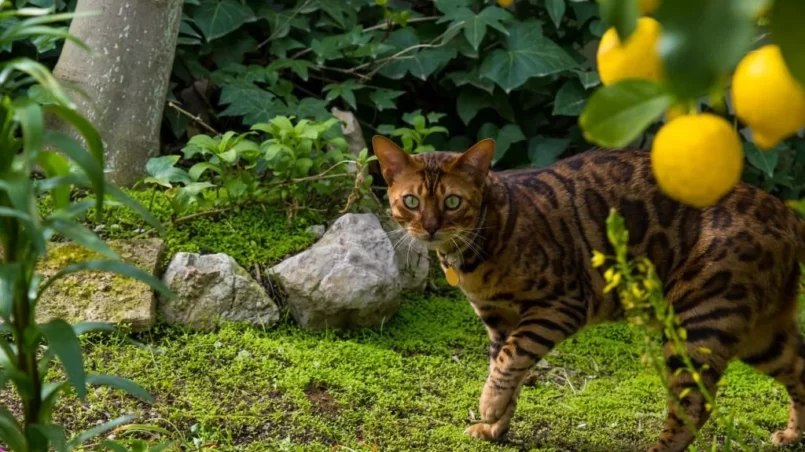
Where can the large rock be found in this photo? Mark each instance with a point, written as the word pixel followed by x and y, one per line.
pixel 348 279
pixel 412 257
pixel 211 288
pixel 100 296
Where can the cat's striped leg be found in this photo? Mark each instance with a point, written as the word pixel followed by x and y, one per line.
pixel 542 325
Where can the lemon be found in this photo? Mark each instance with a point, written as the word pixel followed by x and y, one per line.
pixel 767 98
pixel 648 6
pixel 636 58
pixel 505 3
pixel 697 159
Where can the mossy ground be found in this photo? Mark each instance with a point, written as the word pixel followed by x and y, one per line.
pixel 411 384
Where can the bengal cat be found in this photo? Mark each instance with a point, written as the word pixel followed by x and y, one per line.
pixel 521 242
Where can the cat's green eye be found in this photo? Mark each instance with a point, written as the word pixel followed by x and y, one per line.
pixel 452 202
pixel 411 201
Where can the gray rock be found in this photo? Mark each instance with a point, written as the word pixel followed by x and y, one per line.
pixel 412 257
pixel 212 288
pixel 348 279
pixel 100 296
pixel 317 230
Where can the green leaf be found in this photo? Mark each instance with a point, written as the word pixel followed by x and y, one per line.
pixel 702 41
pixel 70 147
pixel 299 67
pixel 473 78
pixel 507 136
pixel 9 278
pixel 64 343
pixel 216 18
pixel 470 102
pixel 788 33
pixel 99 430
pixel 54 434
pixel 11 431
pixel 527 53
pixel 120 383
pixel 420 63
pixel 544 151
pixel 428 61
pixel 556 9
pixel 384 98
pixel 345 91
pixel 474 25
pixel 621 14
pixel 570 99
pixel 79 234
pixel 55 165
pixel 616 115
pixel 312 108
pixel 588 79
pixel 89 327
pixel 118 267
pixel 257 106
pixel 163 171
pixel 765 161
pixel 199 168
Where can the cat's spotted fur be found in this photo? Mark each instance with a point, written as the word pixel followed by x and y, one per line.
pixel 521 242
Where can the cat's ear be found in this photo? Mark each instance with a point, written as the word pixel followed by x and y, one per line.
pixel 393 160
pixel 477 160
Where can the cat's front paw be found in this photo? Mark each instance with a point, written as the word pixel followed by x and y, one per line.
pixel 494 403
pixel 785 437
pixel 487 432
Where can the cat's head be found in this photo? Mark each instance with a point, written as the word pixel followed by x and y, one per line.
pixel 436 197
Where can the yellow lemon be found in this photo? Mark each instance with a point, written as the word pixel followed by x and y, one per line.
pixel 767 98
pixel 505 3
pixel 636 58
pixel 648 6
pixel 697 159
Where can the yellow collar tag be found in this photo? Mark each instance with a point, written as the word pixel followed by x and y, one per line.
pixel 452 276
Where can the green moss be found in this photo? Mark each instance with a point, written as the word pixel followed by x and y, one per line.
pixel 408 385
pixel 256 234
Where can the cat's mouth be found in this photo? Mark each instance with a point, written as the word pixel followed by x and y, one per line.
pixel 440 241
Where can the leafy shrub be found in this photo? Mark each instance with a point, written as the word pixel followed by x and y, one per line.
pixel 28 349
pixel 297 165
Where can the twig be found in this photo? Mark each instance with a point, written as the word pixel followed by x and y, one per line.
pixel 195 119
pixel 277 30
pixel 409 21
pixel 187 218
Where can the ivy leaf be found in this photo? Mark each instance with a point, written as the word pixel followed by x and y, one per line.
pixel 253 103
pixel 700 44
pixel 162 171
pixel 556 9
pixel 526 53
pixel 299 67
pixel 216 18
pixel 470 102
pixel 544 151
pixel 504 138
pixel 312 108
pixel 570 99
pixel 474 25
pixel 384 98
pixel 765 161
pixel 420 63
pixel 448 6
pixel 338 10
pixel 345 91
pixel 589 79
pixel 788 33
pixel 280 23
pixel 617 114
pixel 461 78
pixel 429 61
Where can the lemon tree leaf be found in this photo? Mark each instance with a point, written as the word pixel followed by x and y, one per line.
pixel 474 25
pixel 216 18
pixel 617 114
pixel 621 14
pixel 788 33
pixel 526 53
pixel 702 41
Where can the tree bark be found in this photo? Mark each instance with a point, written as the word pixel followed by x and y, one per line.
pixel 126 77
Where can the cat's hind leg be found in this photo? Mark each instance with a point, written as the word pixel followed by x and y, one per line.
pixel 780 353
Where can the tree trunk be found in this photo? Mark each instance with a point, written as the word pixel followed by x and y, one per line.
pixel 126 77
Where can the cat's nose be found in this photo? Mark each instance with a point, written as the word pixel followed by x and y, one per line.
pixel 432 230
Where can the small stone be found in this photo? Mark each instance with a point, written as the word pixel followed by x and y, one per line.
pixel 211 288
pixel 100 296
pixel 317 230
pixel 348 279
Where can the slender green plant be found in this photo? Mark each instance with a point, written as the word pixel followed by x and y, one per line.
pixel 641 293
pixel 28 348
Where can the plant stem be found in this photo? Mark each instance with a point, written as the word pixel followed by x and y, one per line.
pixel 195 119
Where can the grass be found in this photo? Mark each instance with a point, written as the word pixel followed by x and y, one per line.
pixel 412 384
